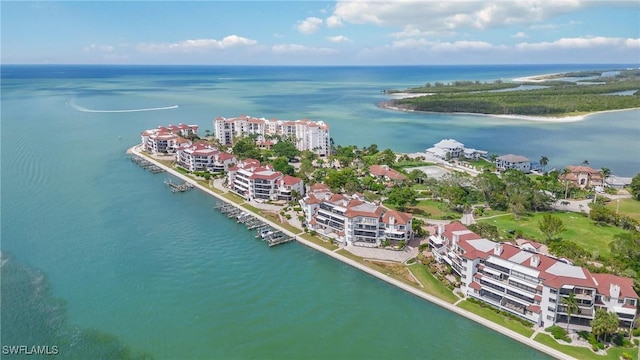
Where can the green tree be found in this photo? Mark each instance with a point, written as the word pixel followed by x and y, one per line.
pixel 338 179
pixel 386 157
pixel 571 304
pixel 245 148
pixel 281 164
pixel 625 248
pixel 550 226
pixel 417 176
pixel 544 161
pixel 566 172
pixel 635 186
pixel 604 323
pixel 606 172
pixel 285 149
pixel 416 227
pixel 402 196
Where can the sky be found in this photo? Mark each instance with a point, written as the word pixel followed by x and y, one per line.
pixel 371 32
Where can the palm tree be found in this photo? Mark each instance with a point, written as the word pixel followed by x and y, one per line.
pixel 606 172
pixel 585 163
pixel 544 161
pixel 572 306
pixel 566 172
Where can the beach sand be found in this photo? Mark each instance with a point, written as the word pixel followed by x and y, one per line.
pixel 421 294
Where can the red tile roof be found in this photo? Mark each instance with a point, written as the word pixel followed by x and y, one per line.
pixel 605 281
pixel 399 217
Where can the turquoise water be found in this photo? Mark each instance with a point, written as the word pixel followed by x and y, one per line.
pixel 164 273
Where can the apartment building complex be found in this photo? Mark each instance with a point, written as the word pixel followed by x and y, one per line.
pixel 203 157
pixel 165 139
pixel 252 181
pixel 306 134
pixel 351 220
pixel 529 284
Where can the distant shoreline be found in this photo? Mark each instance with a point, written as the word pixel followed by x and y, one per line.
pixel 551 119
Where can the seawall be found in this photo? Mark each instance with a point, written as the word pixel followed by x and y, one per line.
pixel 478 319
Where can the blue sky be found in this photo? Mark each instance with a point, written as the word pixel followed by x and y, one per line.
pixel 320 32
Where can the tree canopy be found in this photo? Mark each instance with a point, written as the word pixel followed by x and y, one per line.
pixel 550 226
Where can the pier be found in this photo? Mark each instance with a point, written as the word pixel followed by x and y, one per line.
pixel 178 187
pixel 146 164
pixel 264 231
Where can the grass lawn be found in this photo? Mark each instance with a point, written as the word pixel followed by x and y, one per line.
pixel 233 197
pixel 315 240
pixel 411 164
pixel 429 209
pixel 579 229
pixel 628 207
pixel 381 269
pixel 490 213
pixel 480 164
pixel 431 285
pixel 493 316
pixel 582 352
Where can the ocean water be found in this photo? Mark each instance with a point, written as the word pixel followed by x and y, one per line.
pixel 114 263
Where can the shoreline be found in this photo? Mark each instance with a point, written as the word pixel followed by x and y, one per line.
pixel 414 291
pixel 547 119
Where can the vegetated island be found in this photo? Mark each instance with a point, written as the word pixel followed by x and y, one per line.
pixel 573 94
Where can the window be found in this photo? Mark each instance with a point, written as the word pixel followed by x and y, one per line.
pixel 549 317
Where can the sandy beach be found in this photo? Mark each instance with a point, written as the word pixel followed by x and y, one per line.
pixel 535 78
pixel 451 307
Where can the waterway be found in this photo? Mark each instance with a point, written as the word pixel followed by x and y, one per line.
pixel 164 273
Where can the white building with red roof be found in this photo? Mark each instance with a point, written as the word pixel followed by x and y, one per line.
pixel 529 284
pixel 307 134
pixel 165 139
pixel 351 220
pixel 202 156
pixel 384 172
pixel 583 176
pixel 251 180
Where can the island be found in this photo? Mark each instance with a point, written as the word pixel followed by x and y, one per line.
pixel 545 96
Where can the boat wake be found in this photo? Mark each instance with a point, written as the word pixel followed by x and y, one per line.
pixel 83 109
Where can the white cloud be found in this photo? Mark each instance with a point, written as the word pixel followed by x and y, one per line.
pixel 333 21
pixel 197 45
pixel 309 25
pixel 338 39
pixel 519 35
pixel 300 49
pixel 420 15
pixel 99 48
pixel 580 43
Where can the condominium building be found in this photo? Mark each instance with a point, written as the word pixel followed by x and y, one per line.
pixel 306 134
pixel 351 220
pixel 165 139
pixel 252 181
pixel 203 157
pixel 528 284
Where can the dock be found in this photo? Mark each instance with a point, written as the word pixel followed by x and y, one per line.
pixel 178 187
pixel 146 164
pixel 264 232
